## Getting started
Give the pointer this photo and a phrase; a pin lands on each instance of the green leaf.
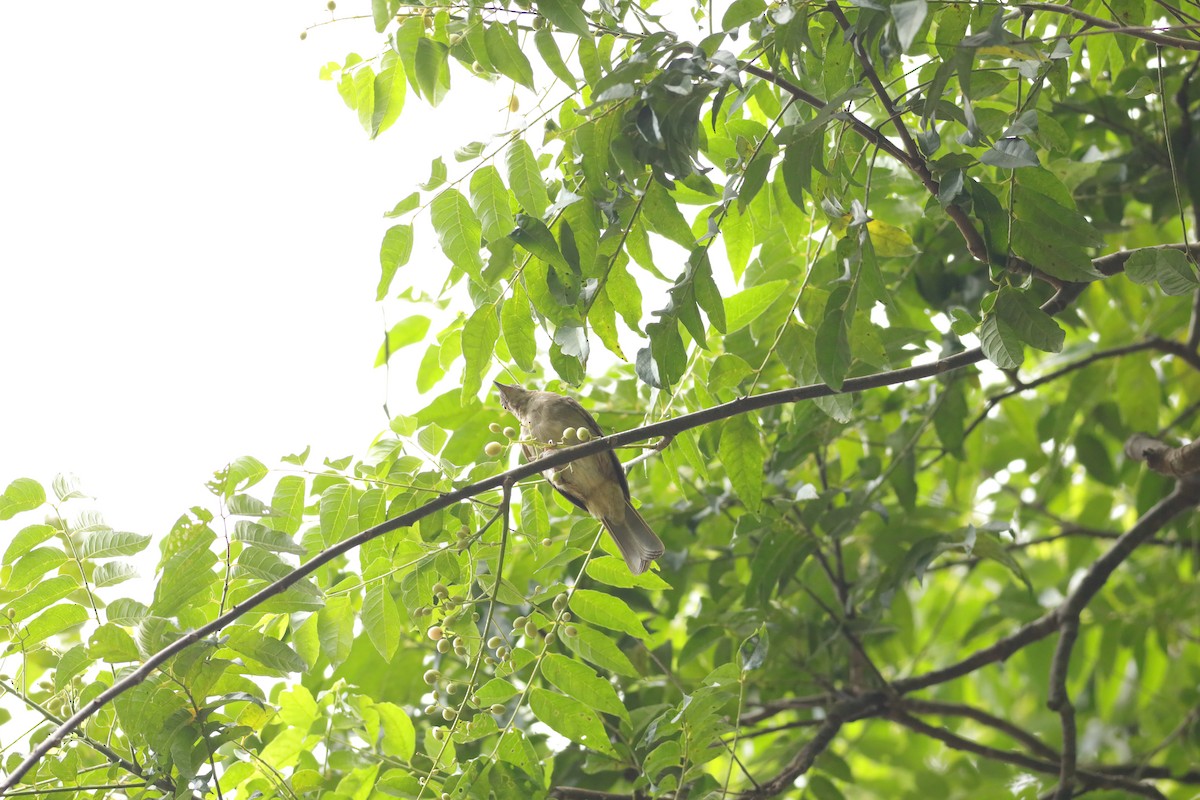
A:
(42, 595)
(287, 505)
(490, 200)
(1170, 268)
(597, 648)
(988, 545)
(742, 454)
(516, 319)
(185, 575)
(1001, 343)
(579, 681)
(380, 615)
(410, 330)
(572, 719)
(525, 178)
(26, 539)
(33, 566)
(833, 347)
(548, 49)
(1031, 325)
(607, 611)
(113, 644)
(108, 544)
(336, 504)
(663, 217)
(458, 229)
(566, 15)
(479, 336)
(269, 652)
(23, 494)
(603, 316)
(126, 612)
(533, 235)
(748, 305)
(506, 56)
(390, 89)
(1010, 154)
(393, 254)
(433, 69)
(614, 572)
(50, 622)
(908, 16)
(399, 735)
(740, 12)
(110, 573)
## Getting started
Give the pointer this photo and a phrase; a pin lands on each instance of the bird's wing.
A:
(531, 455)
(590, 423)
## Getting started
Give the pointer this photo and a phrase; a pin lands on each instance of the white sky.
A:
(189, 232)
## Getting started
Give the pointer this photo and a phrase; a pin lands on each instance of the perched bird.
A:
(595, 483)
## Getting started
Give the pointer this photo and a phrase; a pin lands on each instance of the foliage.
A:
(958, 586)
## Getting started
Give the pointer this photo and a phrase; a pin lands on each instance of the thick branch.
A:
(1160, 457)
(1113, 263)
(1010, 729)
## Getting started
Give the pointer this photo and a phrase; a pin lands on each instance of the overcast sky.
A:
(189, 232)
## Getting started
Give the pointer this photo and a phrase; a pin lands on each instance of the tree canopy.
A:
(892, 308)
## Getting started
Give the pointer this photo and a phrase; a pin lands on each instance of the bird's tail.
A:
(637, 543)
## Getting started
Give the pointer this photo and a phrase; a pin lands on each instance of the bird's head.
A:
(513, 398)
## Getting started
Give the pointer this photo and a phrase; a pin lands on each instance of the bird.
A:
(595, 483)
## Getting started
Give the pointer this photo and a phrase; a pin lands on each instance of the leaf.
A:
(597, 648)
(833, 347)
(336, 504)
(908, 16)
(479, 336)
(458, 229)
(506, 56)
(748, 305)
(525, 179)
(108, 544)
(393, 254)
(26, 539)
(607, 611)
(1010, 154)
(1033, 326)
(410, 330)
(516, 320)
(390, 88)
(533, 235)
(42, 595)
(269, 652)
(33, 566)
(1170, 268)
(490, 200)
(614, 572)
(433, 69)
(113, 644)
(888, 240)
(50, 622)
(727, 372)
(663, 217)
(740, 12)
(570, 718)
(287, 505)
(548, 49)
(742, 454)
(380, 614)
(566, 15)
(23, 494)
(579, 681)
(399, 735)
(185, 575)
(110, 573)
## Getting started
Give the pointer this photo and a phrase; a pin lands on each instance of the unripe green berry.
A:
(444, 646)
(331, 5)
(439, 734)
(449, 714)
(583, 434)
(547, 542)
(565, 616)
(493, 449)
(519, 622)
(431, 709)
(560, 602)
(494, 642)
(440, 590)
(531, 630)
(550, 637)
(539, 22)
(455, 38)
(431, 676)
(436, 632)
(570, 631)
(568, 435)
(491, 662)
(497, 708)
(510, 433)
(495, 426)
(303, 35)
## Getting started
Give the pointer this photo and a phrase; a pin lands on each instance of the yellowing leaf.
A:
(890, 241)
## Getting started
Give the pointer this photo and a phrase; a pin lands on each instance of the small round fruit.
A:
(431, 676)
(497, 708)
(495, 426)
(583, 434)
(331, 5)
(570, 631)
(431, 709)
(514, 105)
(547, 542)
(531, 630)
(494, 642)
(439, 734)
(303, 35)
(510, 433)
(568, 435)
(444, 646)
(493, 449)
(436, 632)
(449, 714)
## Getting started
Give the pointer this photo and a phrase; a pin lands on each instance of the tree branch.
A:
(1141, 33)
(1009, 729)
(1178, 462)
